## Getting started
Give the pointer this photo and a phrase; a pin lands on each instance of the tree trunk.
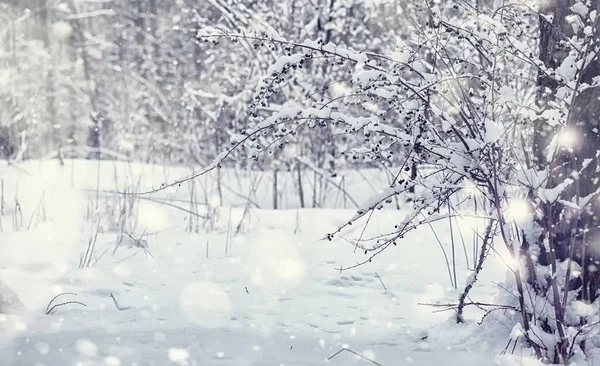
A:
(565, 144)
(49, 93)
(577, 158)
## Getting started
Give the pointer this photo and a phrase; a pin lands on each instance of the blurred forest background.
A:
(129, 80)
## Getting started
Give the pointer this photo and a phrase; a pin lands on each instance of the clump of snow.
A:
(580, 8)
(552, 194)
(569, 67)
(401, 56)
(582, 309)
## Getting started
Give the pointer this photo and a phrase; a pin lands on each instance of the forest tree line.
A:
(131, 80)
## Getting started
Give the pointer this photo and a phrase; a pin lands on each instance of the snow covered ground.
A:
(270, 295)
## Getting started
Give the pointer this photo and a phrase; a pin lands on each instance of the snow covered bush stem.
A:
(483, 253)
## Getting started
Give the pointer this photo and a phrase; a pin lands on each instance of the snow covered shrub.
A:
(502, 99)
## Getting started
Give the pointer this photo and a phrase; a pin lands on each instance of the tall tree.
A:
(567, 147)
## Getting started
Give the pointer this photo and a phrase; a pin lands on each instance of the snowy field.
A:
(177, 283)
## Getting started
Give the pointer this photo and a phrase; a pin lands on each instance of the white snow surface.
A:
(270, 295)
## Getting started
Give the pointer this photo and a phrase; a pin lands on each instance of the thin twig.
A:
(379, 278)
(120, 308)
(53, 309)
(57, 296)
(354, 353)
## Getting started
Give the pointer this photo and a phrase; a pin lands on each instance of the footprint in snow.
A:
(37, 267)
(345, 281)
(103, 292)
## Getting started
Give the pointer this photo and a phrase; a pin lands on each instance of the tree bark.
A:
(578, 160)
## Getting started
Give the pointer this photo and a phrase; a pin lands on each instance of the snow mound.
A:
(10, 303)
